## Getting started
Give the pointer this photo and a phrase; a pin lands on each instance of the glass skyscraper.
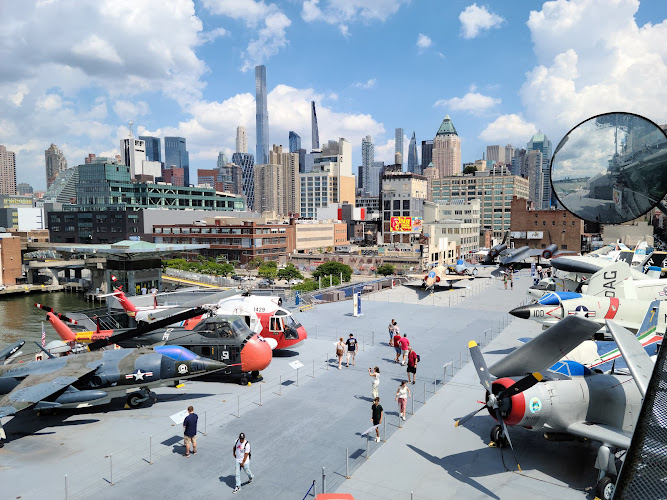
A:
(294, 142)
(540, 142)
(398, 142)
(413, 159)
(247, 163)
(262, 116)
(176, 153)
(315, 132)
(153, 149)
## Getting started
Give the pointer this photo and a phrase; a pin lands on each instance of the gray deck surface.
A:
(310, 426)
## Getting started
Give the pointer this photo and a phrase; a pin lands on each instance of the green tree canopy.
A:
(333, 268)
(308, 285)
(470, 169)
(267, 271)
(386, 269)
(289, 272)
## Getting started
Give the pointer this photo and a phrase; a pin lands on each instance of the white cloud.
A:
(475, 19)
(508, 128)
(269, 21)
(21, 91)
(472, 101)
(423, 41)
(128, 110)
(94, 47)
(366, 85)
(210, 36)
(593, 59)
(386, 152)
(343, 12)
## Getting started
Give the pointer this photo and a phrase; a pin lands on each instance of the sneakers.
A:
(339, 367)
(236, 490)
(377, 439)
(403, 417)
(250, 480)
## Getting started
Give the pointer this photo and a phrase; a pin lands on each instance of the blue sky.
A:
(501, 70)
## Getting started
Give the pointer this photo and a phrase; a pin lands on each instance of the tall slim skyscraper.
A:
(315, 144)
(495, 154)
(540, 142)
(261, 116)
(153, 148)
(447, 149)
(7, 171)
(241, 140)
(413, 159)
(176, 154)
(509, 154)
(367, 158)
(398, 141)
(427, 154)
(222, 160)
(247, 163)
(55, 163)
(294, 142)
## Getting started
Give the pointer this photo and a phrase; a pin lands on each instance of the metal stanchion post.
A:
(324, 481)
(460, 360)
(444, 375)
(367, 448)
(384, 420)
(413, 405)
(238, 406)
(280, 385)
(111, 467)
(326, 362)
(400, 425)
(150, 450)
(347, 464)
(65, 486)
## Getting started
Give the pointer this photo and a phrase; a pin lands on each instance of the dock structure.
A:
(304, 424)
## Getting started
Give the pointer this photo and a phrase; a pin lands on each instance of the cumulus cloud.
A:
(210, 36)
(476, 19)
(343, 12)
(366, 85)
(130, 110)
(512, 128)
(423, 41)
(593, 58)
(473, 102)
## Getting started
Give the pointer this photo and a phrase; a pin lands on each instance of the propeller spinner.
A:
(494, 401)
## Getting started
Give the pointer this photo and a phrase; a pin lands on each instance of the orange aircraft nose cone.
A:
(255, 355)
(302, 333)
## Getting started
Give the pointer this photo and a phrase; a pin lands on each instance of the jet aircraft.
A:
(573, 400)
(439, 276)
(92, 378)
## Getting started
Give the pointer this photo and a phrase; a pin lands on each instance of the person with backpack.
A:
(413, 359)
(242, 455)
(396, 342)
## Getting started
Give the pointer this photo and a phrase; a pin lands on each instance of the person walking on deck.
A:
(402, 395)
(242, 454)
(340, 351)
(376, 417)
(375, 373)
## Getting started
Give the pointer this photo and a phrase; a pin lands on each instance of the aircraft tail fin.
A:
(649, 326)
(126, 304)
(10, 351)
(64, 331)
(609, 282)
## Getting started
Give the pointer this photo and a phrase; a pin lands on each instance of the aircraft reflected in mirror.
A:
(611, 168)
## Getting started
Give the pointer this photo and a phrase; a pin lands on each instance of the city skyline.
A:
(79, 90)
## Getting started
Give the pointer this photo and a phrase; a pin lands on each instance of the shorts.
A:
(376, 422)
(404, 352)
(398, 350)
(352, 351)
(401, 404)
(412, 369)
(188, 440)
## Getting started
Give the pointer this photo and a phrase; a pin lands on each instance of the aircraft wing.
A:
(547, 348)
(599, 432)
(638, 361)
(200, 301)
(38, 386)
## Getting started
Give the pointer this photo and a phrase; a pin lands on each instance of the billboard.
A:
(535, 235)
(406, 224)
(518, 235)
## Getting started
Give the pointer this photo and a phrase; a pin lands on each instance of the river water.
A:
(21, 320)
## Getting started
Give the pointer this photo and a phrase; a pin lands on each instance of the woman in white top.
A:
(402, 395)
(340, 351)
(375, 373)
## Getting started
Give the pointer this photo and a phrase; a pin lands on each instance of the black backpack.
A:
(246, 443)
(419, 358)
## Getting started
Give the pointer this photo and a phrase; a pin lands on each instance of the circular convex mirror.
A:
(611, 168)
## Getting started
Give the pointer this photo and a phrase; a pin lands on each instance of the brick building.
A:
(541, 228)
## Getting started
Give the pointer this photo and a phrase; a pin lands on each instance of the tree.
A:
(334, 268)
(308, 285)
(289, 272)
(254, 263)
(470, 169)
(267, 271)
(386, 269)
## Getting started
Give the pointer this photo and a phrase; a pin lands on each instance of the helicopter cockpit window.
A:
(240, 328)
(290, 322)
(276, 324)
(223, 330)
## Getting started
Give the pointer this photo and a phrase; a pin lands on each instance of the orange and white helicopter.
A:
(263, 314)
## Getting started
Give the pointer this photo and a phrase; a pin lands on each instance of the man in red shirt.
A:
(412, 364)
(404, 343)
(397, 345)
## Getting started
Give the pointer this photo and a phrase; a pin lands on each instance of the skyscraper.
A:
(315, 144)
(7, 171)
(519, 162)
(533, 159)
(294, 142)
(495, 154)
(367, 158)
(247, 162)
(261, 116)
(176, 154)
(241, 140)
(447, 149)
(540, 142)
(509, 154)
(133, 153)
(153, 148)
(398, 141)
(55, 163)
(413, 159)
(427, 154)
(222, 160)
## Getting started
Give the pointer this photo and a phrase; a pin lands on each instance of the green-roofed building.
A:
(447, 149)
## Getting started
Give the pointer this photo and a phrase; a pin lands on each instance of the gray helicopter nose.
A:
(522, 312)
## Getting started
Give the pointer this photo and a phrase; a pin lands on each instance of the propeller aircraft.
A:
(574, 400)
(439, 276)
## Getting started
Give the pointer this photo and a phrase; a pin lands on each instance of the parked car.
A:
(266, 282)
(237, 277)
(294, 282)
